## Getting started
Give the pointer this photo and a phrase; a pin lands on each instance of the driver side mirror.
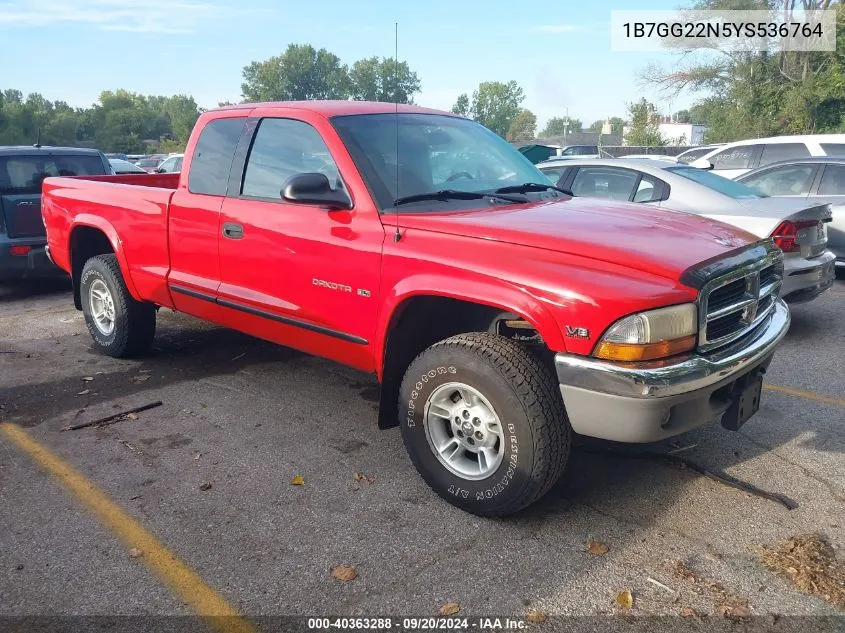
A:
(702, 163)
(314, 188)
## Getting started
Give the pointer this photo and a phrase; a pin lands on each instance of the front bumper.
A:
(805, 279)
(650, 402)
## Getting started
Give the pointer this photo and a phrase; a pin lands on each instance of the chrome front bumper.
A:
(648, 402)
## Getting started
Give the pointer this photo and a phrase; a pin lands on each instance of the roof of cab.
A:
(19, 150)
(337, 108)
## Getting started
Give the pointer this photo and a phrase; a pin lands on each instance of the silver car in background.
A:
(796, 225)
(818, 179)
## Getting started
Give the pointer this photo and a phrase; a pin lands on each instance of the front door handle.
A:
(233, 230)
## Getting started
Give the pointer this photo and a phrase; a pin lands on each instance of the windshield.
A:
(436, 152)
(713, 181)
(23, 174)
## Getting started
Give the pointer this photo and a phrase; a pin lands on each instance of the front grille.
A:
(727, 295)
(767, 275)
(724, 326)
(735, 303)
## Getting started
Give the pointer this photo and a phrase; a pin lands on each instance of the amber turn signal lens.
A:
(631, 352)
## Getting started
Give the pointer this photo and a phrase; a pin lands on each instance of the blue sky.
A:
(559, 52)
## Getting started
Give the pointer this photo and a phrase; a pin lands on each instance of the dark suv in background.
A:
(22, 235)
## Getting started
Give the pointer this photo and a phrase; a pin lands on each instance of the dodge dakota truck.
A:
(500, 314)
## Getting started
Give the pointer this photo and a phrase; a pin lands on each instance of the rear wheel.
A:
(484, 424)
(120, 325)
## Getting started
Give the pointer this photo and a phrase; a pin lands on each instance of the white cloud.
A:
(553, 29)
(138, 16)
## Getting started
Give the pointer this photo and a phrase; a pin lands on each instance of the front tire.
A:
(484, 423)
(120, 326)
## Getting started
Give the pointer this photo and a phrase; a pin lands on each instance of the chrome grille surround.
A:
(737, 311)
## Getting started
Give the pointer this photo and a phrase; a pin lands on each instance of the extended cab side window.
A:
(213, 156)
(283, 148)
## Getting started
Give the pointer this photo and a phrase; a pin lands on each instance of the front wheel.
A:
(120, 325)
(484, 424)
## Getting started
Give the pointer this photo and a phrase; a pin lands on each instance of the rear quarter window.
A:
(833, 181)
(738, 157)
(554, 174)
(213, 155)
(773, 152)
(694, 154)
(834, 149)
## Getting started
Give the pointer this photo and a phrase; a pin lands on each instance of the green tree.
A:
(523, 127)
(643, 129)
(373, 79)
(461, 105)
(746, 94)
(682, 116)
(169, 145)
(301, 72)
(62, 129)
(122, 120)
(560, 125)
(496, 104)
(119, 121)
(182, 113)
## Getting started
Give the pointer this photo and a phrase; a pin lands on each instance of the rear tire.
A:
(120, 326)
(484, 423)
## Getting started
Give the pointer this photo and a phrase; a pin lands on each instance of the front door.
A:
(298, 274)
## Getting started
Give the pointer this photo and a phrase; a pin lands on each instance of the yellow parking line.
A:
(184, 581)
(803, 393)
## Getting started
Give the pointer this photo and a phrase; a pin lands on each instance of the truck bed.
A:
(159, 181)
(132, 211)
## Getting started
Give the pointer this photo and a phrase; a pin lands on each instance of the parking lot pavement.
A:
(245, 417)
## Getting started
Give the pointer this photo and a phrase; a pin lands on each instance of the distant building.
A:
(682, 133)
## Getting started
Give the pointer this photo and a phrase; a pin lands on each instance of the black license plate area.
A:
(745, 401)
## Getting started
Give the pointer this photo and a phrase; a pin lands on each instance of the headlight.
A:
(649, 335)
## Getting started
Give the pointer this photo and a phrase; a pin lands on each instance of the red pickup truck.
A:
(500, 315)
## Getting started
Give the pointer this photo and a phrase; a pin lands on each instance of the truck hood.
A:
(657, 241)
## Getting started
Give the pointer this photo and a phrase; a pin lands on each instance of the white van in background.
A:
(734, 159)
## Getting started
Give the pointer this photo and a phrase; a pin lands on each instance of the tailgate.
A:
(22, 215)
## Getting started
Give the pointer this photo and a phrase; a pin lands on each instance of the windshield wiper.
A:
(531, 186)
(454, 194)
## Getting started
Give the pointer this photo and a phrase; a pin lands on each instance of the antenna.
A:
(396, 235)
(38, 139)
